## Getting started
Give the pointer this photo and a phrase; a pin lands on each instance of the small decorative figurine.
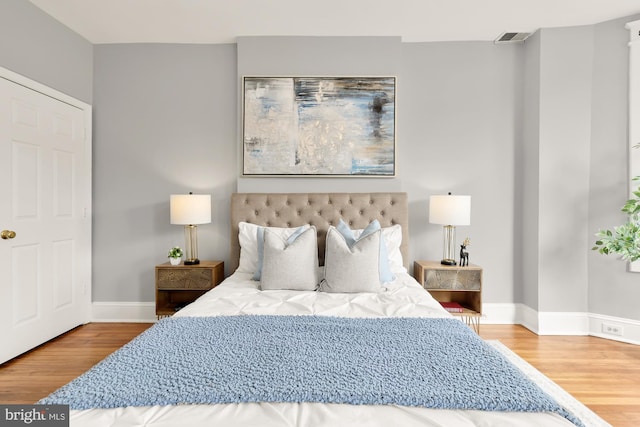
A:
(464, 255)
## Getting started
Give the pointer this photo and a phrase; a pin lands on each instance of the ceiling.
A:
(221, 21)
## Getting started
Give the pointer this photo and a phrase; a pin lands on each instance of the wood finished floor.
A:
(602, 374)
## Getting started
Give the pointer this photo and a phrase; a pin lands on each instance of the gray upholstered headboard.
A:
(320, 210)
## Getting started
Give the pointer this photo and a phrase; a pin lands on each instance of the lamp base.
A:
(443, 262)
(191, 261)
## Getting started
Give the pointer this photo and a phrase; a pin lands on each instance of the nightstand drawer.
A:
(468, 280)
(178, 278)
(180, 285)
(453, 284)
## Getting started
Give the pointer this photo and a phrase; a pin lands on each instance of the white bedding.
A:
(238, 294)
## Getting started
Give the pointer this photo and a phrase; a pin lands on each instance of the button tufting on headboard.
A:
(320, 210)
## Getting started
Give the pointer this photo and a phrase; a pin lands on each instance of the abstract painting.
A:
(319, 126)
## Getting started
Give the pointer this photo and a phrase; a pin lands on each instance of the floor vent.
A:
(512, 37)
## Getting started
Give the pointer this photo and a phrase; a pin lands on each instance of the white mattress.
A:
(240, 295)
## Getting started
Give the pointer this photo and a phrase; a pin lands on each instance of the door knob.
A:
(7, 234)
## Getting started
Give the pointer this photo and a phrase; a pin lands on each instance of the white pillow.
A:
(260, 239)
(392, 239)
(248, 238)
(386, 275)
(290, 265)
(351, 269)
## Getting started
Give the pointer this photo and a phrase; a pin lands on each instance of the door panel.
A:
(23, 114)
(25, 284)
(25, 194)
(45, 159)
(62, 274)
(62, 184)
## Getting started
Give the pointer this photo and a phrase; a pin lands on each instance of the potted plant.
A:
(175, 255)
(623, 240)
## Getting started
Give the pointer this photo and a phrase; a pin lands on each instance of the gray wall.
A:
(574, 169)
(166, 121)
(39, 47)
(527, 178)
(317, 56)
(566, 60)
(461, 128)
(165, 124)
(460, 106)
(535, 133)
(612, 289)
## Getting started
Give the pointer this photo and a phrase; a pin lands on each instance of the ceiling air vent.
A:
(512, 37)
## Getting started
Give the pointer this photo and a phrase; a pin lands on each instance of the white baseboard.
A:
(528, 318)
(558, 323)
(629, 329)
(131, 312)
(541, 323)
(510, 314)
(500, 314)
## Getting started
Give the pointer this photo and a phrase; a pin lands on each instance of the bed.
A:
(327, 356)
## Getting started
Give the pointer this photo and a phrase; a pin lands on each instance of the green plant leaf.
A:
(623, 240)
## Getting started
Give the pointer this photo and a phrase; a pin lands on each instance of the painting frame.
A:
(319, 126)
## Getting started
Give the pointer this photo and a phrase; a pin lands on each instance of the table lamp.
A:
(449, 211)
(190, 210)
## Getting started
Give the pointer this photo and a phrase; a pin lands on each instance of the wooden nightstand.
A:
(452, 283)
(179, 285)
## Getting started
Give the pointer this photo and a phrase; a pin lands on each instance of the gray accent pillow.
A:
(292, 265)
(351, 269)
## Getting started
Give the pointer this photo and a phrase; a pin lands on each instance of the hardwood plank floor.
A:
(602, 374)
(37, 373)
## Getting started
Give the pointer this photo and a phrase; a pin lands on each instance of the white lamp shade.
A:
(450, 210)
(190, 209)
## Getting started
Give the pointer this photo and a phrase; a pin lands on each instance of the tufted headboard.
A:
(320, 210)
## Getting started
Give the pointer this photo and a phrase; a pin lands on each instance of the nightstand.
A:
(452, 283)
(179, 285)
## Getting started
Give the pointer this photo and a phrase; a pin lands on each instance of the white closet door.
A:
(45, 185)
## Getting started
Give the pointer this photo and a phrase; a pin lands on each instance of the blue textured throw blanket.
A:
(433, 363)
